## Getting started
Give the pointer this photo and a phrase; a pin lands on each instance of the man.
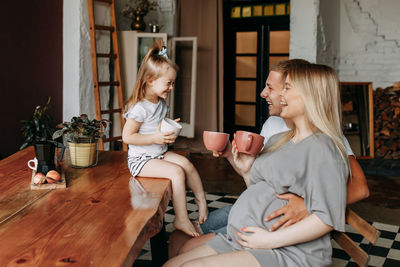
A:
(295, 209)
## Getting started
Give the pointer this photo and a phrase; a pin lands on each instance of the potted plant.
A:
(137, 11)
(39, 127)
(81, 134)
(37, 131)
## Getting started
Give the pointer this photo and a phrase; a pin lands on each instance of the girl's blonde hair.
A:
(319, 88)
(152, 67)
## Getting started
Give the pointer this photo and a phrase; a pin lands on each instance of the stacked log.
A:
(387, 122)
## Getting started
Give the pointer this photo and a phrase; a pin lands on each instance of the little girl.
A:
(148, 155)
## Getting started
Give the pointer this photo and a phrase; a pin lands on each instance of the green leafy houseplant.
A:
(82, 134)
(81, 129)
(39, 127)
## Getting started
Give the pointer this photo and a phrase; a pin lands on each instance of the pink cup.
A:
(215, 141)
(249, 143)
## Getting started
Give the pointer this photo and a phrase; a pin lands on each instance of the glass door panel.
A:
(245, 115)
(144, 45)
(246, 42)
(279, 42)
(246, 67)
(182, 95)
(275, 59)
(246, 78)
(246, 91)
(278, 46)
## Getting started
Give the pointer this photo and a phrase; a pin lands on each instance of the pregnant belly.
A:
(252, 207)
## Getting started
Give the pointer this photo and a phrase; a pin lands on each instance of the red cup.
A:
(215, 141)
(249, 143)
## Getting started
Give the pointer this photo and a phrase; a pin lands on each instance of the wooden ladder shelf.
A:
(112, 56)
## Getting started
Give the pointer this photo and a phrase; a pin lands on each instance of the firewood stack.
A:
(387, 122)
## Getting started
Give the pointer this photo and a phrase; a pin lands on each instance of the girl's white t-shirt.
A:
(150, 115)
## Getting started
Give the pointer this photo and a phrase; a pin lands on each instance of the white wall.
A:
(71, 44)
(359, 38)
(328, 34)
(370, 41)
(77, 68)
(303, 29)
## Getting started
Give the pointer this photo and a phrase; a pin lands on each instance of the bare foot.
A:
(186, 227)
(196, 225)
(203, 209)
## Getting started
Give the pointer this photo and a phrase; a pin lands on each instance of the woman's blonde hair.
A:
(319, 88)
(152, 67)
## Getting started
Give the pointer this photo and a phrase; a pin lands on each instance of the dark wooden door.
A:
(247, 57)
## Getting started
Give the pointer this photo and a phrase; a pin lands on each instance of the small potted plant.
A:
(82, 134)
(39, 127)
(37, 131)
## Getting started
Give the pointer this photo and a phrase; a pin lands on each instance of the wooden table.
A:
(91, 222)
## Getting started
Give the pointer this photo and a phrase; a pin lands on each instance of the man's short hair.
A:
(283, 66)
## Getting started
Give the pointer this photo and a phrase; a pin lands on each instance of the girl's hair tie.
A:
(163, 52)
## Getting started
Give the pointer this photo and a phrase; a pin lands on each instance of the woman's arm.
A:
(131, 136)
(306, 230)
(228, 153)
(242, 162)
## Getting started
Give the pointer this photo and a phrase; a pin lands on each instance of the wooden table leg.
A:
(159, 247)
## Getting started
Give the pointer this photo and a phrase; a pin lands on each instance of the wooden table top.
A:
(91, 222)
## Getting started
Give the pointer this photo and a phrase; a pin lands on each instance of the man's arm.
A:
(357, 188)
(295, 209)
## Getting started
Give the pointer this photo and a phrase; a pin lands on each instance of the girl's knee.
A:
(184, 162)
(188, 165)
(177, 173)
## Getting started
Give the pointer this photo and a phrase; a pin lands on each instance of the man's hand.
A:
(258, 238)
(293, 211)
(224, 154)
(163, 138)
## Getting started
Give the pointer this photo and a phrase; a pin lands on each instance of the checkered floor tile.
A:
(386, 252)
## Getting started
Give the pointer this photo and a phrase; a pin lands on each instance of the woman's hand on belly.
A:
(256, 238)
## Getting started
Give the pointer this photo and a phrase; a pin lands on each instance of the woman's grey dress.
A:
(312, 169)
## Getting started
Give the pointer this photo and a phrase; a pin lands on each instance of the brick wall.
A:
(360, 39)
(369, 48)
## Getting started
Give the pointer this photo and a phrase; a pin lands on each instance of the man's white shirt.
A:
(274, 125)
